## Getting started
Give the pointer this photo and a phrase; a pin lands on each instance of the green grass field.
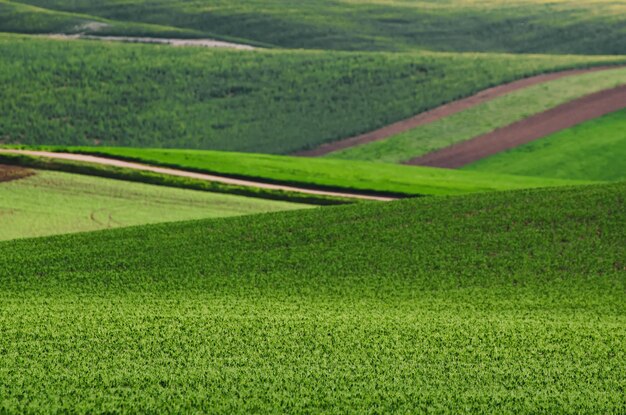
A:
(50, 203)
(484, 118)
(96, 93)
(495, 303)
(595, 150)
(23, 18)
(366, 177)
(520, 26)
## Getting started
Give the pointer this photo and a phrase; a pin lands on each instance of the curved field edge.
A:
(595, 150)
(26, 19)
(323, 174)
(259, 101)
(522, 26)
(50, 203)
(484, 118)
(132, 175)
(510, 300)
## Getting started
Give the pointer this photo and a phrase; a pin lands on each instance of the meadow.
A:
(594, 150)
(491, 303)
(99, 93)
(49, 203)
(518, 26)
(363, 177)
(484, 118)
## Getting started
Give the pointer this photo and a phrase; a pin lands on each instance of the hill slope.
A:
(89, 92)
(50, 203)
(520, 26)
(509, 300)
(486, 117)
(306, 173)
(595, 150)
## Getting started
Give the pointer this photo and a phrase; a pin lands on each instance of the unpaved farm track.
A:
(206, 43)
(443, 111)
(8, 173)
(530, 129)
(200, 176)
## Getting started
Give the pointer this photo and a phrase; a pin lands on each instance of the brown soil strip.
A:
(193, 175)
(527, 130)
(8, 173)
(443, 111)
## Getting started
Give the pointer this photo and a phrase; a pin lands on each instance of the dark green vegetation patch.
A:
(520, 26)
(509, 302)
(92, 93)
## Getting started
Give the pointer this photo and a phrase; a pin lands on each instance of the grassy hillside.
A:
(23, 18)
(49, 203)
(563, 26)
(595, 150)
(326, 173)
(89, 92)
(510, 300)
(484, 118)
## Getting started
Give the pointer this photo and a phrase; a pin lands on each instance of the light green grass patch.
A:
(519, 26)
(483, 118)
(53, 203)
(595, 150)
(328, 173)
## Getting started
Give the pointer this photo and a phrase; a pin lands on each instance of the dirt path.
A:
(199, 176)
(207, 43)
(530, 129)
(443, 111)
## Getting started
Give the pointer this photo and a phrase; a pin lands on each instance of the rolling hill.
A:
(50, 203)
(595, 150)
(101, 93)
(445, 305)
(484, 118)
(518, 26)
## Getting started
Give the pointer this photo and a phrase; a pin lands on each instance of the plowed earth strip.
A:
(530, 129)
(200, 176)
(443, 111)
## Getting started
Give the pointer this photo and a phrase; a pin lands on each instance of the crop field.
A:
(97, 93)
(595, 150)
(20, 18)
(224, 207)
(519, 26)
(48, 203)
(483, 118)
(440, 305)
(322, 173)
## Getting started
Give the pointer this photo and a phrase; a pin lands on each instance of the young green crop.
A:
(50, 203)
(595, 150)
(509, 302)
(484, 118)
(99, 93)
(520, 26)
(365, 177)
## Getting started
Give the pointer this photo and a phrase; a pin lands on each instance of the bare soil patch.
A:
(443, 111)
(530, 129)
(8, 173)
